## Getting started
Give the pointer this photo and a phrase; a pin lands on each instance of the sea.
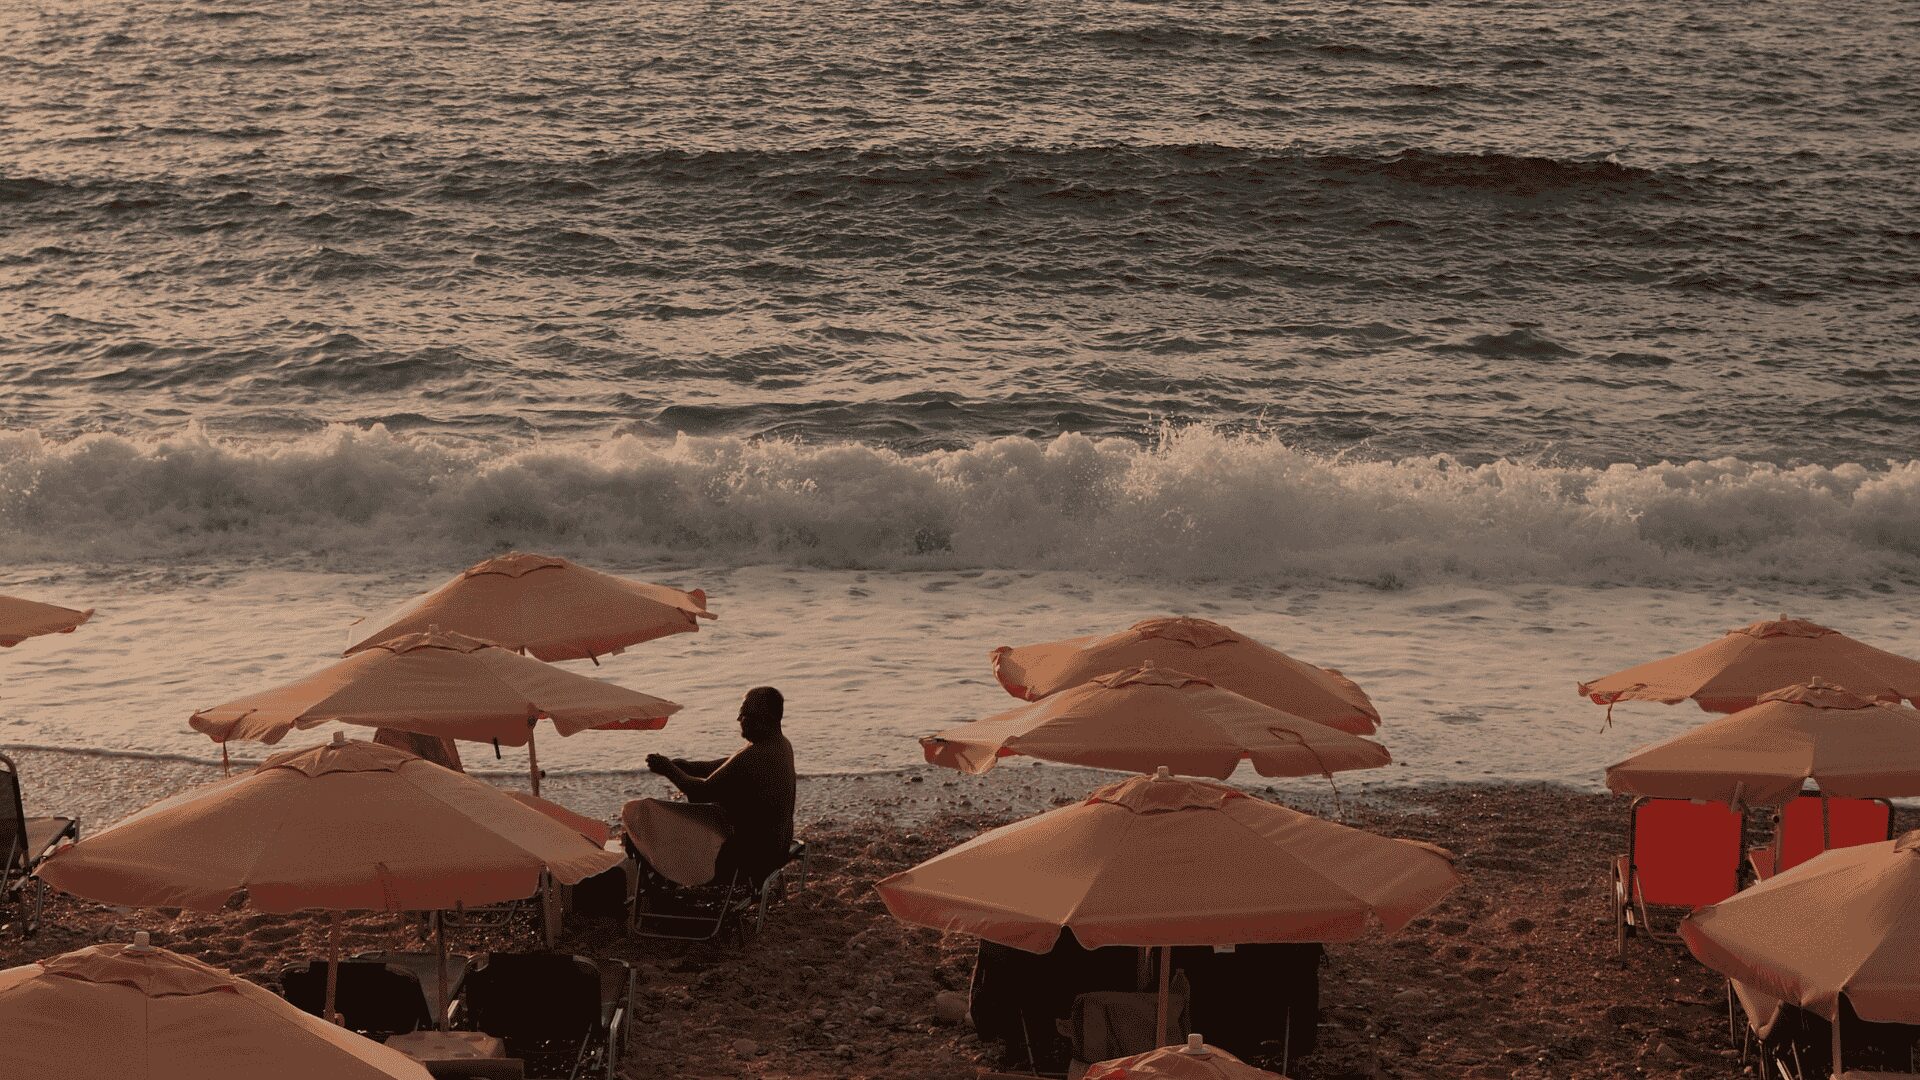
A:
(1470, 348)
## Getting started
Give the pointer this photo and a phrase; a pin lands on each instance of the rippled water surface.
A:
(1615, 231)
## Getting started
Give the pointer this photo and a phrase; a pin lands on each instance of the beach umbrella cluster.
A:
(345, 826)
(1806, 705)
(1166, 860)
(1170, 857)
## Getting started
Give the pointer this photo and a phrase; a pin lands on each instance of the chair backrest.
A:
(13, 823)
(535, 997)
(372, 998)
(1686, 854)
(1849, 822)
(1108, 1024)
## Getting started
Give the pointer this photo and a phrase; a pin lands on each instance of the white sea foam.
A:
(1194, 505)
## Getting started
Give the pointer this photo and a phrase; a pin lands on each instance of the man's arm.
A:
(698, 769)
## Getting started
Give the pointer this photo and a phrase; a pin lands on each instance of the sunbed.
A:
(28, 840)
(1794, 1044)
(682, 888)
(563, 1016)
(1813, 823)
(1681, 855)
(373, 998)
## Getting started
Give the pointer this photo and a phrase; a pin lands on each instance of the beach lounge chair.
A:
(1108, 1024)
(1791, 1043)
(373, 998)
(1813, 823)
(1244, 996)
(1023, 1000)
(425, 967)
(563, 1016)
(27, 841)
(1681, 855)
(663, 908)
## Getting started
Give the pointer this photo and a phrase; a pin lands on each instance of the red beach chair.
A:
(1800, 832)
(1680, 856)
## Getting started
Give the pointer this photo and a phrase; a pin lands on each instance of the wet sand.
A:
(1512, 976)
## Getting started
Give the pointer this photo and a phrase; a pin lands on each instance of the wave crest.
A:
(1195, 504)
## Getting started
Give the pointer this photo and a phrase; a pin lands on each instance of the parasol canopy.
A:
(547, 606)
(139, 1011)
(1214, 652)
(1734, 672)
(436, 683)
(21, 619)
(1844, 923)
(351, 826)
(1850, 745)
(1194, 1061)
(1166, 861)
(1141, 718)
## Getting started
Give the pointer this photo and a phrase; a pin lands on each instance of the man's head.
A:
(760, 713)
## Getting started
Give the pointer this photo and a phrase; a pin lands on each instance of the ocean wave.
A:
(1194, 504)
(1118, 172)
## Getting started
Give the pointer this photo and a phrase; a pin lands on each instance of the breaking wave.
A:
(1194, 504)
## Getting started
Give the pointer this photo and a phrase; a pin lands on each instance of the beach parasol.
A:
(138, 1011)
(546, 606)
(1194, 1061)
(1845, 923)
(1850, 745)
(1732, 673)
(1162, 861)
(1144, 717)
(22, 619)
(1207, 649)
(351, 826)
(438, 683)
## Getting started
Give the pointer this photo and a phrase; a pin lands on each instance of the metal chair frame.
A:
(17, 871)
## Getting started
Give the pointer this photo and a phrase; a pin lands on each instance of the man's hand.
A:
(659, 763)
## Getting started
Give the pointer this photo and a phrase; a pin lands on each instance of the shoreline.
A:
(72, 783)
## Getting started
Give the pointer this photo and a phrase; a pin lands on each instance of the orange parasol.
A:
(1842, 924)
(22, 619)
(547, 606)
(1852, 746)
(1194, 1061)
(1199, 647)
(138, 1011)
(1732, 673)
(1162, 861)
(438, 683)
(1144, 717)
(351, 826)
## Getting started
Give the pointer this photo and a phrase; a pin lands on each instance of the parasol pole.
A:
(333, 964)
(440, 946)
(533, 760)
(1836, 1037)
(1166, 973)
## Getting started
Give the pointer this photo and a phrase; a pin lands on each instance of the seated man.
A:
(754, 788)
